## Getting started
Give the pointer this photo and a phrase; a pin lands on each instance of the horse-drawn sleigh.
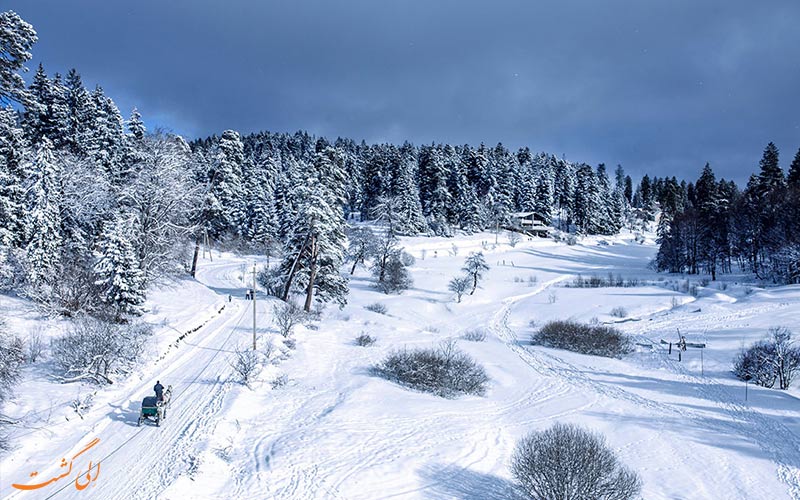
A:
(155, 409)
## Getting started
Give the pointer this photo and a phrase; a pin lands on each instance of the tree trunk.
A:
(355, 263)
(312, 275)
(194, 259)
(293, 270)
(474, 284)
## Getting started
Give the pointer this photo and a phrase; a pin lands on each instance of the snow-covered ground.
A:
(336, 431)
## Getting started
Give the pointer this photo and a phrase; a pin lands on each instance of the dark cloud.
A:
(660, 87)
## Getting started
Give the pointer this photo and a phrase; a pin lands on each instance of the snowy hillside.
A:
(334, 430)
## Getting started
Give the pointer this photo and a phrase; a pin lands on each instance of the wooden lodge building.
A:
(530, 223)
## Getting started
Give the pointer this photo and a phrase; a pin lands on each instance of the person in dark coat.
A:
(159, 390)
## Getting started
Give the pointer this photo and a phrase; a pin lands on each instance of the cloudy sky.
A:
(659, 87)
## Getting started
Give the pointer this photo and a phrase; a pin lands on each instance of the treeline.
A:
(712, 227)
(436, 189)
(93, 208)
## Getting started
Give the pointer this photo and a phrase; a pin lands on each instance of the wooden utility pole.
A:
(254, 306)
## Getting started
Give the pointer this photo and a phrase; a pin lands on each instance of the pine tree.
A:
(629, 189)
(314, 248)
(434, 195)
(136, 126)
(771, 175)
(16, 39)
(409, 220)
(117, 272)
(587, 201)
(81, 114)
(43, 219)
(465, 211)
(225, 201)
(12, 177)
(793, 179)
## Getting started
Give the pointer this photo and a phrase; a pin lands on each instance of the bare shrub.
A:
(81, 404)
(365, 340)
(475, 335)
(514, 238)
(280, 381)
(245, 363)
(96, 350)
(376, 307)
(444, 371)
(774, 359)
(552, 297)
(12, 356)
(35, 346)
(286, 317)
(675, 303)
(268, 349)
(619, 312)
(596, 340)
(459, 285)
(566, 461)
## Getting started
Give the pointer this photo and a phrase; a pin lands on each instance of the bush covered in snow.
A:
(566, 461)
(96, 350)
(774, 359)
(444, 371)
(597, 340)
(396, 277)
(619, 312)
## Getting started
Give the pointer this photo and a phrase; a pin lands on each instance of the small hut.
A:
(530, 223)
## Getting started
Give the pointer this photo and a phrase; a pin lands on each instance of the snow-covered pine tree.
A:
(36, 119)
(16, 39)
(605, 223)
(793, 179)
(43, 217)
(525, 181)
(434, 195)
(770, 177)
(12, 177)
(225, 204)
(465, 210)
(81, 117)
(587, 201)
(136, 125)
(117, 272)
(375, 182)
(314, 247)
(408, 218)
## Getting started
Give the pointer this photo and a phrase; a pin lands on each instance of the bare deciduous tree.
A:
(286, 317)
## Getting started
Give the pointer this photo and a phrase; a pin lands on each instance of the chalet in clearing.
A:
(530, 223)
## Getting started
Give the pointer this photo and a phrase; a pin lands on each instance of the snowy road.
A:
(139, 462)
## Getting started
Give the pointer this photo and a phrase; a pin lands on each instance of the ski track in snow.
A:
(285, 462)
(769, 434)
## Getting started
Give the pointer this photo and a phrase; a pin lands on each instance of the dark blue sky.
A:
(660, 87)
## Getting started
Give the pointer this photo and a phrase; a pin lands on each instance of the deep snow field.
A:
(334, 430)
